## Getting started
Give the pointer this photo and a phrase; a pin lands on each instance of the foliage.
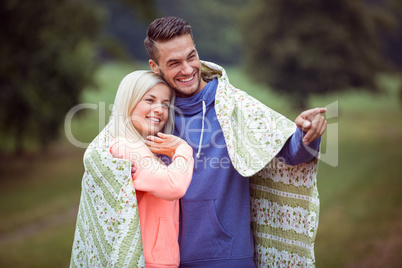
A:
(47, 58)
(312, 47)
(214, 24)
(144, 9)
(388, 15)
(124, 28)
(396, 6)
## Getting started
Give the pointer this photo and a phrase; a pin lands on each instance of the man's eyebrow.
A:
(192, 52)
(189, 54)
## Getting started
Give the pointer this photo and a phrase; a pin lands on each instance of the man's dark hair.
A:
(162, 30)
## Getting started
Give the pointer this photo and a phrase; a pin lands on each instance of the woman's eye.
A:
(149, 100)
(165, 105)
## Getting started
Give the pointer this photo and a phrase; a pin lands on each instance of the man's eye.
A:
(193, 57)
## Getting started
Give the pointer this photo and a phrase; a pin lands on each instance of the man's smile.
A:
(186, 80)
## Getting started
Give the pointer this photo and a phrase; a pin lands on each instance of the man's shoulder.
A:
(210, 71)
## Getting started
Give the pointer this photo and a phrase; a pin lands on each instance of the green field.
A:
(361, 204)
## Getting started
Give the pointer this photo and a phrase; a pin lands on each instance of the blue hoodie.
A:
(215, 211)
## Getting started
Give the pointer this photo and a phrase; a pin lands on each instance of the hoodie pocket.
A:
(166, 249)
(202, 235)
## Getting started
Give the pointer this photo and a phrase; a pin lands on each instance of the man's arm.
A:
(303, 145)
(295, 152)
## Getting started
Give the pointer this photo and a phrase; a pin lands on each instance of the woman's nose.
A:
(158, 108)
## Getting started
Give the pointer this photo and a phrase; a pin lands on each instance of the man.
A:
(234, 141)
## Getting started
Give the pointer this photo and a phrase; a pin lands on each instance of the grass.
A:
(46, 248)
(36, 193)
(361, 209)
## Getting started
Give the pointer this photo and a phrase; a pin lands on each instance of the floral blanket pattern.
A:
(107, 232)
(284, 199)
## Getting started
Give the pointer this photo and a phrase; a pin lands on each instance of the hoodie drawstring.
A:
(202, 128)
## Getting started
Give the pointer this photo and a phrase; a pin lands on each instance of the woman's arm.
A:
(167, 182)
(164, 143)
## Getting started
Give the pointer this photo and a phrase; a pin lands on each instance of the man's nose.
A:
(187, 69)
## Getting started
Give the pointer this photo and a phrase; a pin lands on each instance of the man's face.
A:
(179, 65)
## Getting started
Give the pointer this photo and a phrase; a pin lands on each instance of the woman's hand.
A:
(165, 144)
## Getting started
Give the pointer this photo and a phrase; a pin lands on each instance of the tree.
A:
(124, 28)
(47, 59)
(397, 6)
(214, 24)
(312, 47)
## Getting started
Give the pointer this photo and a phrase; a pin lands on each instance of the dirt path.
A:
(38, 226)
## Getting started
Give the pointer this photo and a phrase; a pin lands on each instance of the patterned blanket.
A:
(108, 230)
(284, 199)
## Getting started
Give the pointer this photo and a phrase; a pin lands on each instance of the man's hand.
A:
(164, 144)
(133, 168)
(312, 123)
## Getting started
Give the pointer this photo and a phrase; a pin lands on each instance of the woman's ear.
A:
(154, 66)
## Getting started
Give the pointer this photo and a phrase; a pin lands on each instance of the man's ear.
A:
(154, 66)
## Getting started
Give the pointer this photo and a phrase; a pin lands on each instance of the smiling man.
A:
(267, 180)
(177, 62)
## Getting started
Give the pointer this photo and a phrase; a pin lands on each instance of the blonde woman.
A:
(142, 109)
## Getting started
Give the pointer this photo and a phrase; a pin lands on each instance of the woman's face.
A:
(150, 114)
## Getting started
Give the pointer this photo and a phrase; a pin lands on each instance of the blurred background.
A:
(62, 61)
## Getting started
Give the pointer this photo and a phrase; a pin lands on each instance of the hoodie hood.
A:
(198, 104)
(193, 105)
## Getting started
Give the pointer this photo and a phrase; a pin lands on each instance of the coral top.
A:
(158, 188)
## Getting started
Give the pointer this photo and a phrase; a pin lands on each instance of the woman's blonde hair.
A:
(131, 90)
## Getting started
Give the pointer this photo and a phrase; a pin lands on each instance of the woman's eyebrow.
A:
(154, 97)
(149, 95)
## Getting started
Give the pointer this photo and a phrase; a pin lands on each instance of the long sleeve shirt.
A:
(295, 152)
(158, 188)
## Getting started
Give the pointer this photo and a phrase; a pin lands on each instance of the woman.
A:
(142, 109)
